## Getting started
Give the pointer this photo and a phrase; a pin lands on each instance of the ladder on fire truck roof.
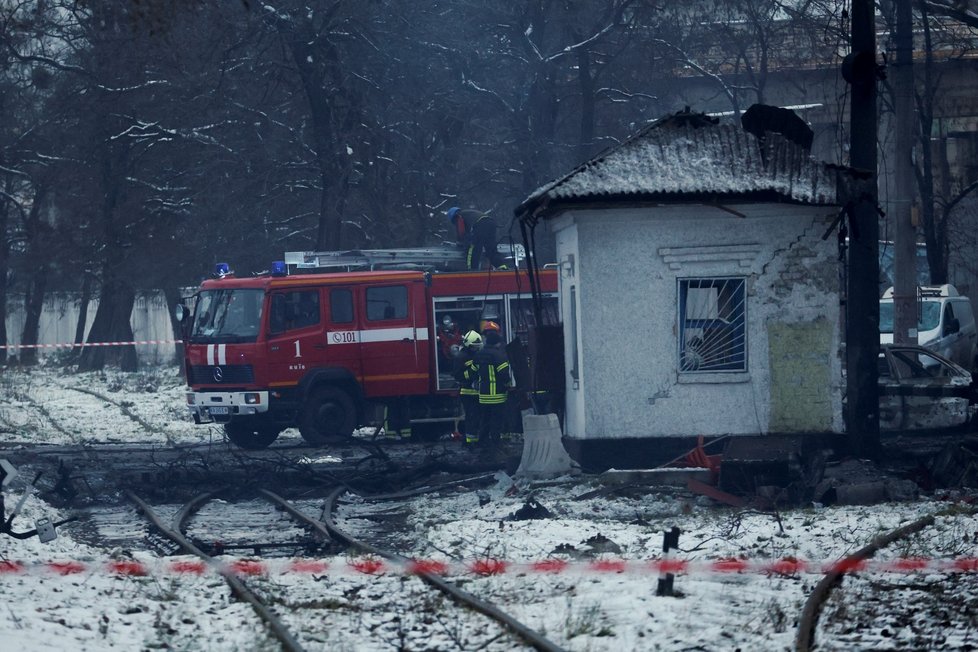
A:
(442, 258)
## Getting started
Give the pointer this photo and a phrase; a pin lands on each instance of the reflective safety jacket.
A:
(463, 369)
(492, 367)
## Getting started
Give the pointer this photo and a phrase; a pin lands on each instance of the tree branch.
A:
(965, 11)
(967, 190)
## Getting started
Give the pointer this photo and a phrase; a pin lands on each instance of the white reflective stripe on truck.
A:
(220, 350)
(374, 335)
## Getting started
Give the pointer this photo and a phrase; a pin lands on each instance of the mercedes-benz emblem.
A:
(218, 374)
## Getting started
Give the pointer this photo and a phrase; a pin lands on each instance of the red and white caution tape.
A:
(86, 344)
(486, 567)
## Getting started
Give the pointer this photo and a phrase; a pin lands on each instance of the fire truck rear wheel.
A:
(329, 415)
(249, 436)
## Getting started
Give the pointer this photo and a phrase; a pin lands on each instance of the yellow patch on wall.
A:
(800, 358)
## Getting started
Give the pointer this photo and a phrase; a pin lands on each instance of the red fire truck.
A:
(327, 352)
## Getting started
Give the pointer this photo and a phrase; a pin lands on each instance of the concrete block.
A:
(677, 477)
(544, 455)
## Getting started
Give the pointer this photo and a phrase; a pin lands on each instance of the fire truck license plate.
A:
(219, 410)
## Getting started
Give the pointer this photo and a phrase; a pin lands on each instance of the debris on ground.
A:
(955, 467)
(752, 462)
(600, 544)
(504, 485)
(530, 510)
(861, 482)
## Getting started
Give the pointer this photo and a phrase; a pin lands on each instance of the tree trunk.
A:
(86, 297)
(905, 235)
(935, 231)
(4, 270)
(117, 297)
(111, 324)
(313, 71)
(37, 234)
(33, 307)
(586, 81)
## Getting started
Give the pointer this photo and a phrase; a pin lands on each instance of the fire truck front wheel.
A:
(328, 415)
(250, 436)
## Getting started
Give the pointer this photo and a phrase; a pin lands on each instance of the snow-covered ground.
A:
(578, 610)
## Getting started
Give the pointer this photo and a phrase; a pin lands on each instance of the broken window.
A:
(712, 325)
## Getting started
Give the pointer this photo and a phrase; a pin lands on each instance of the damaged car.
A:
(921, 390)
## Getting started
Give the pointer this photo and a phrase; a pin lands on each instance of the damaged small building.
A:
(700, 284)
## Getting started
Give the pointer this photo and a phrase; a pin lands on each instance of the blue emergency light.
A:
(279, 268)
(221, 270)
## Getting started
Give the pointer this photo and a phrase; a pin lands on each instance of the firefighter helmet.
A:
(490, 325)
(452, 212)
(472, 340)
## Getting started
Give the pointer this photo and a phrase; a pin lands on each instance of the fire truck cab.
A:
(325, 352)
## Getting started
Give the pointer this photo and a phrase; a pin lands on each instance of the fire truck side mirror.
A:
(182, 313)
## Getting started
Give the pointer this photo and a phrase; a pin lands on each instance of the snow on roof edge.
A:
(687, 155)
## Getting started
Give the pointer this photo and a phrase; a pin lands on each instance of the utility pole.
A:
(905, 236)
(862, 296)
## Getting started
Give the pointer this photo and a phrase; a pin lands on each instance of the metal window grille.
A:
(712, 325)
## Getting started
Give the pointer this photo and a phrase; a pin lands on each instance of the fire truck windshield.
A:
(231, 315)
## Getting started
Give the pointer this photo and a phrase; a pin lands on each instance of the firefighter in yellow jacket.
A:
(492, 367)
(464, 372)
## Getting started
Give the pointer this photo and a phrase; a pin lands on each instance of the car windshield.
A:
(231, 315)
(930, 316)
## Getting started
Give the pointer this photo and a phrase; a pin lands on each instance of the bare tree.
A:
(179, 134)
(24, 89)
(739, 46)
(945, 50)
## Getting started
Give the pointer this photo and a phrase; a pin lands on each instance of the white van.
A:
(946, 325)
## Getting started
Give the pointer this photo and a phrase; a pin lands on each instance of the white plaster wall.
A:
(569, 261)
(627, 304)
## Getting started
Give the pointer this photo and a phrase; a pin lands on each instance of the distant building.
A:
(700, 285)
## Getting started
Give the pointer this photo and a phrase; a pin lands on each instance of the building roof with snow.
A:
(690, 158)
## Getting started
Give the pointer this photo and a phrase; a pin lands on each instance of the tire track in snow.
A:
(128, 412)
